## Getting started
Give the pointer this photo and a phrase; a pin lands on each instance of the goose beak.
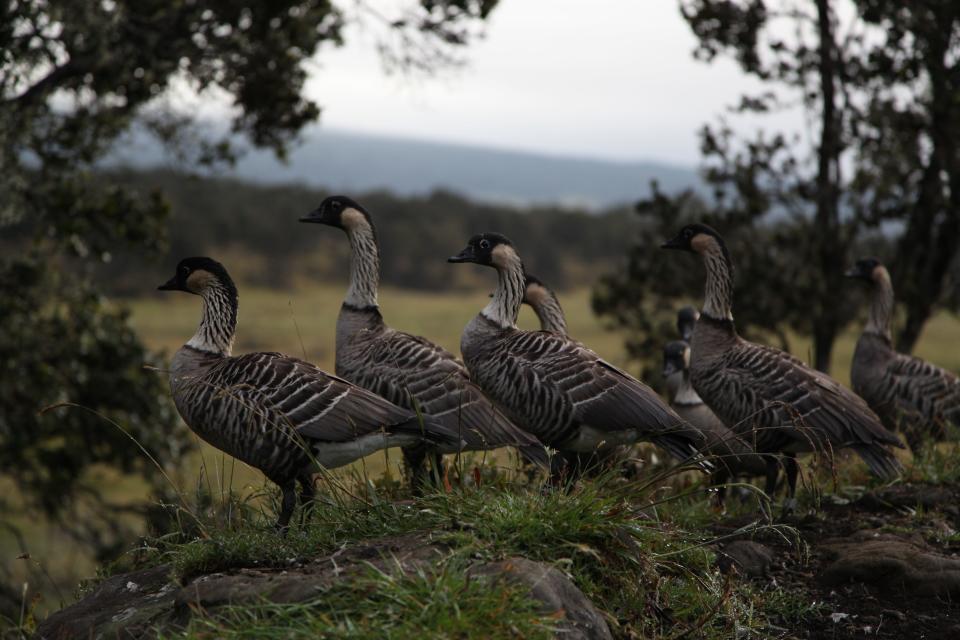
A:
(675, 243)
(169, 285)
(669, 369)
(317, 216)
(467, 255)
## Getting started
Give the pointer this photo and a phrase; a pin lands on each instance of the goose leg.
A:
(766, 501)
(791, 470)
(719, 481)
(287, 504)
(416, 461)
(307, 494)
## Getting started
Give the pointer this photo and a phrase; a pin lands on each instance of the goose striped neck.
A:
(544, 303)
(364, 261)
(881, 307)
(218, 323)
(718, 297)
(504, 308)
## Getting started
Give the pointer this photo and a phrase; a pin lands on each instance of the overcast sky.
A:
(601, 78)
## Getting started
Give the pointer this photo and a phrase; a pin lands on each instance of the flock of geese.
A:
(736, 408)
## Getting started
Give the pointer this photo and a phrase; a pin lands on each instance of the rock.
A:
(750, 558)
(409, 553)
(908, 496)
(577, 617)
(126, 606)
(892, 564)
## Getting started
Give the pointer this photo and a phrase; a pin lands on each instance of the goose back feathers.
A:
(553, 385)
(771, 399)
(276, 413)
(408, 370)
(906, 392)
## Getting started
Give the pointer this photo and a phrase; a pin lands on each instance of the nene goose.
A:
(686, 319)
(276, 413)
(768, 397)
(408, 370)
(734, 456)
(555, 387)
(919, 397)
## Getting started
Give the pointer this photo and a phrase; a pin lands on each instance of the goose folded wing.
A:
(600, 394)
(422, 374)
(324, 407)
(795, 396)
(925, 388)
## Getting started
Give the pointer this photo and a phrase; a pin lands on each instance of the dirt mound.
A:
(893, 564)
(144, 603)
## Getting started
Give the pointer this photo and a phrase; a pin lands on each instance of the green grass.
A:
(442, 603)
(651, 577)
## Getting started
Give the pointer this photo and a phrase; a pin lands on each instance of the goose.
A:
(686, 320)
(768, 397)
(408, 370)
(554, 386)
(908, 392)
(278, 414)
(734, 457)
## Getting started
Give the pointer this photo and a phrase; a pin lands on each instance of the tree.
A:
(73, 78)
(909, 146)
(875, 92)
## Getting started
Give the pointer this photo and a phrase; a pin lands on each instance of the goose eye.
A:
(484, 244)
(687, 233)
(184, 269)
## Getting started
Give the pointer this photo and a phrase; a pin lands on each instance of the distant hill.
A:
(351, 162)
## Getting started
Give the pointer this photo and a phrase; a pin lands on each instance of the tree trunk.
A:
(828, 246)
(929, 244)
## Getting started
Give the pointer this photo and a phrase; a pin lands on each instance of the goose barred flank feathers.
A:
(554, 386)
(766, 396)
(408, 370)
(908, 393)
(276, 413)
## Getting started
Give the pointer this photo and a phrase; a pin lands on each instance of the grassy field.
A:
(301, 322)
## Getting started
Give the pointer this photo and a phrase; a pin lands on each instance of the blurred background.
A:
(809, 132)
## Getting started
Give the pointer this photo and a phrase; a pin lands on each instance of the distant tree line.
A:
(255, 227)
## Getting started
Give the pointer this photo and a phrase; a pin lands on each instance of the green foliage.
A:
(73, 351)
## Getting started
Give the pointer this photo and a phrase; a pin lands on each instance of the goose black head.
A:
(864, 269)
(686, 318)
(693, 238)
(196, 274)
(489, 249)
(339, 211)
(676, 357)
